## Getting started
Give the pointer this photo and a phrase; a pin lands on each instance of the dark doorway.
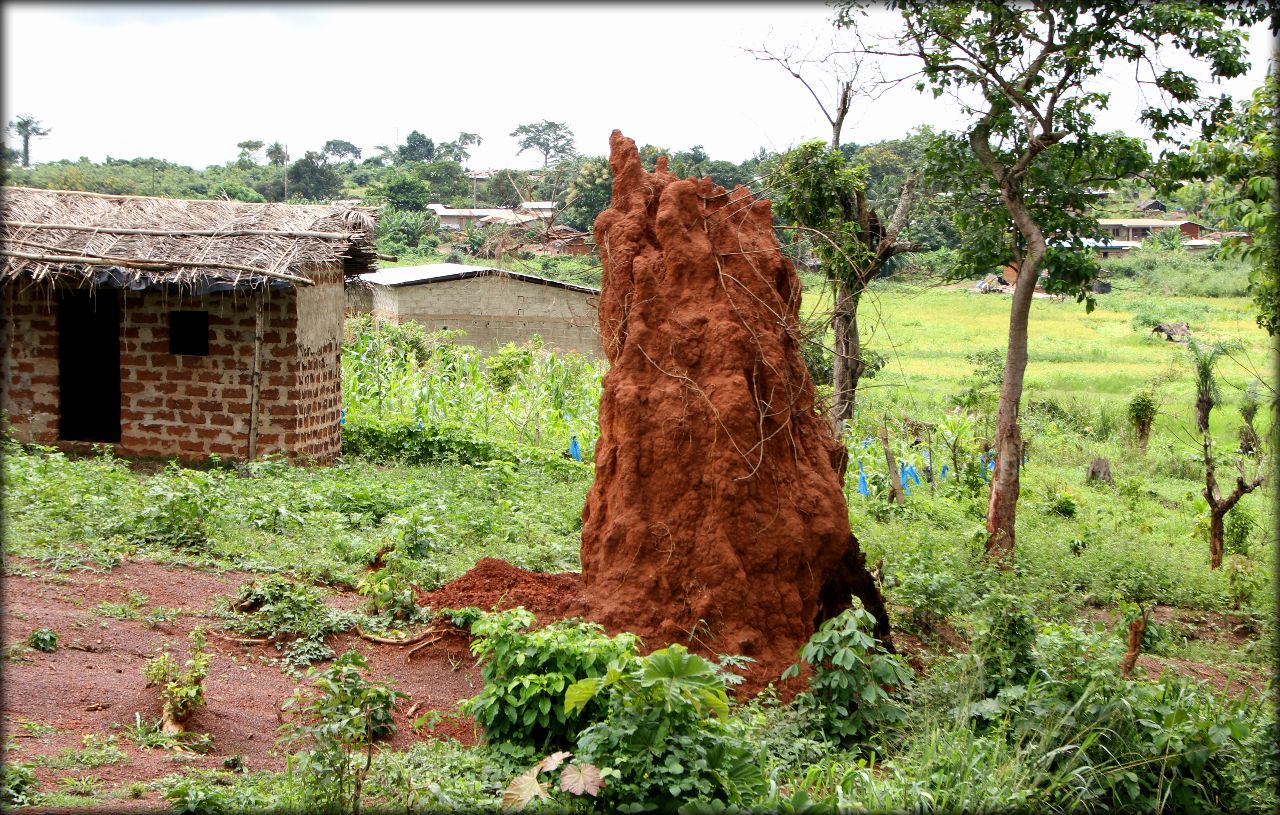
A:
(89, 365)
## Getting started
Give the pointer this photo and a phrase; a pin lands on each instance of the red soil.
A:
(495, 584)
(93, 681)
(716, 517)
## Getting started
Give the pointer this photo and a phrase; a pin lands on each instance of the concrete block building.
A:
(493, 306)
(176, 329)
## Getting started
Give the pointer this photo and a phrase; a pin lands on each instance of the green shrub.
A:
(1004, 642)
(338, 719)
(414, 443)
(295, 616)
(665, 740)
(43, 639)
(19, 785)
(526, 674)
(177, 507)
(181, 689)
(854, 678)
(1142, 410)
(1238, 524)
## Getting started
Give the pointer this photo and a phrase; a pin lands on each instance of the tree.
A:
(277, 153)
(1240, 164)
(402, 190)
(416, 147)
(28, 128)
(447, 180)
(337, 148)
(507, 188)
(1203, 360)
(817, 191)
(589, 193)
(456, 150)
(820, 193)
(312, 178)
(247, 149)
(1020, 72)
(554, 140)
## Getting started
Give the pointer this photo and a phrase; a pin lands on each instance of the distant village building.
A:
(176, 329)
(1152, 205)
(1138, 229)
(493, 306)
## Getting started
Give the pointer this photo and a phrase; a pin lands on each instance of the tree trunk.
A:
(847, 363)
(1144, 435)
(896, 495)
(1216, 518)
(1005, 484)
(1136, 629)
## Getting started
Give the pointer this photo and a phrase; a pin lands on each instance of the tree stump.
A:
(1099, 470)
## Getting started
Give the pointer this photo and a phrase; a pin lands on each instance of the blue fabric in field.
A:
(575, 450)
(911, 471)
(943, 475)
(991, 465)
(863, 489)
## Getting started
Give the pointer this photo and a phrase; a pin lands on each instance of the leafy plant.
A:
(18, 785)
(177, 509)
(574, 779)
(86, 786)
(526, 674)
(854, 678)
(293, 614)
(1142, 411)
(95, 752)
(150, 735)
(43, 639)
(666, 733)
(1004, 642)
(181, 689)
(339, 718)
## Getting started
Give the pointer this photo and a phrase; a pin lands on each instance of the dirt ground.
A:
(93, 683)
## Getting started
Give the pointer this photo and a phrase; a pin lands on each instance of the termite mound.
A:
(717, 516)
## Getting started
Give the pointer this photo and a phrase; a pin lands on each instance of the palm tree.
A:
(27, 127)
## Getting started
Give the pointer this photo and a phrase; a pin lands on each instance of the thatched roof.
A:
(49, 235)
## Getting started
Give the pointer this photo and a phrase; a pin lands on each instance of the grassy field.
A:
(1097, 360)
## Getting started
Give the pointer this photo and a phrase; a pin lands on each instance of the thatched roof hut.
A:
(174, 328)
(148, 242)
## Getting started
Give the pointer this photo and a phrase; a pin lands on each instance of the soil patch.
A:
(93, 685)
(495, 584)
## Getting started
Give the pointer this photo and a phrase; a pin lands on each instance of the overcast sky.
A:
(186, 82)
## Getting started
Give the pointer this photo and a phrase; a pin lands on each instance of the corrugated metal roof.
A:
(440, 272)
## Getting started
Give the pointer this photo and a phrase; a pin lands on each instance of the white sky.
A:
(186, 82)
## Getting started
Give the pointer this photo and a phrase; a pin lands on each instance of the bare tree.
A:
(832, 79)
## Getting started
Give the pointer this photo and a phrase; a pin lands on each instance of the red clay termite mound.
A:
(717, 516)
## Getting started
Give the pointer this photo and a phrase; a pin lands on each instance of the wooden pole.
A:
(255, 386)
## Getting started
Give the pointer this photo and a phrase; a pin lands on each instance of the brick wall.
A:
(493, 310)
(189, 406)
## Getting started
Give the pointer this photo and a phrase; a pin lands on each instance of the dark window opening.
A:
(189, 333)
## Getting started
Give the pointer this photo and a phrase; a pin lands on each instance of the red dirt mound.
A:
(716, 517)
(494, 583)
